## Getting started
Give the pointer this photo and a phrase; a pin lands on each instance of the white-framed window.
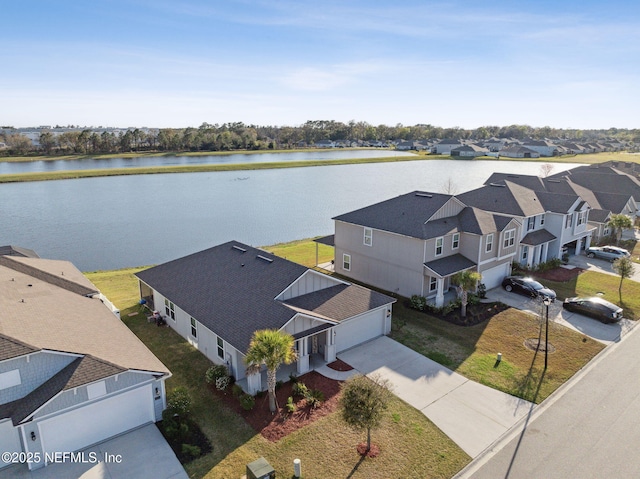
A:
(439, 243)
(169, 309)
(455, 241)
(525, 251)
(568, 221)
(606, 231)
(433, 284)
(220, 344)
(509, 238)
(582, 216)
(10, 379)
(542, 219)
(194, 328)
(531, 223)
(346, 262)
(368, 237)
(489, 246)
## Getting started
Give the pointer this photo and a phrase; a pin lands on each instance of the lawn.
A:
(591, 283)
(411, 446)
(471, 351)
(302, 252)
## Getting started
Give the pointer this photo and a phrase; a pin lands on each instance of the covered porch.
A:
(438, 275)
(326, 241)
(535, 248)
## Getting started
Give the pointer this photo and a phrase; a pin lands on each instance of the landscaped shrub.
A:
(222, 383)
(190, 450)
(293, 378)
(214, 372)
(176, 431)
(290, 406)
(299, 389)
(179, 402)
(314, 398)
(482, 291)
(418, 302)
(236, 390)
(247, 401)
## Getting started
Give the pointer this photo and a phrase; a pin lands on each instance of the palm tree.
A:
(619, 223)
(467, 280)
(271, 348)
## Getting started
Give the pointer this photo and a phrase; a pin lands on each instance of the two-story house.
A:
(415, 243)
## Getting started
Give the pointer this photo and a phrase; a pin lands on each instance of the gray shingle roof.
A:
(10, 250)
(450, 265)
(405, 214)
(12, 348)
(598, 179)
(228, 288)
(537, 237)
(510, 198)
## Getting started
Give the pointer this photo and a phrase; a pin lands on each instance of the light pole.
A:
(547, 302)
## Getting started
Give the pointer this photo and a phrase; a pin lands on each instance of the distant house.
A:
(469, 151)
(543, 147)
(415, 243)
(217, 299)
(518, 151)
(444, 146)
(324, 144)
(71, 373)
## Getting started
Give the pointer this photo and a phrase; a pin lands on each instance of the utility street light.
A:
(547, 302)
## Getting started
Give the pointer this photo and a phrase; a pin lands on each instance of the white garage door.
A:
(358, 330)
(98, 421)
(9, 440)
(494, 276)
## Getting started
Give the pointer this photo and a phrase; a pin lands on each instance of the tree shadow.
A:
(355, 468)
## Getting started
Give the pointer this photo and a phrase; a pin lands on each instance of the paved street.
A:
(586, 429)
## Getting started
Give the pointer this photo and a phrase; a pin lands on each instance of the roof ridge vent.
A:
(239, 248)
(424, 195)
(264, 258)
(497, 185)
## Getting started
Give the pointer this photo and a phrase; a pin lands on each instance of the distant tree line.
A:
(238, 136)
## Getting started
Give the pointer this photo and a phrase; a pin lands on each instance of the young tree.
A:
(271, 348)
(546, 169)
(363, 401)
(467, 281)
(625, 269)
(619, 223)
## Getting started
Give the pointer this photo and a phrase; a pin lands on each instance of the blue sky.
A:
(162, 63)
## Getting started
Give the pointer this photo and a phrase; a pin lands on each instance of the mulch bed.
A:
(558, 274)
(276, 426)
(476, 314)
(195, 437)
(340, 365)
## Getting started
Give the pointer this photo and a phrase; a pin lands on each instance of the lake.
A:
(115, 222)
(148, 161)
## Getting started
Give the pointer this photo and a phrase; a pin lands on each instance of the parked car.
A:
(610, 253)
(528, 287)
(595, 307)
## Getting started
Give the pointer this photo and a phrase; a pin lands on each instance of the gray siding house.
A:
(217, 299)
(71, 373)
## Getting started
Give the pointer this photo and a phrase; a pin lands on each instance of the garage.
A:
(492, 277)
(359, 329)
(9, 440)
(98, 421)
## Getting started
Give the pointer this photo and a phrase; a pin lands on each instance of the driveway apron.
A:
(472, 415)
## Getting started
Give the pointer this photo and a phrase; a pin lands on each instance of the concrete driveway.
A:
(142, 454)
(605, 333)
(472, 415)
(600, 265)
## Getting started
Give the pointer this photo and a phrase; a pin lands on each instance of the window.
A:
(489, 246)
(194, 328)
(531, 223)
(368, 237)
(542, 219)
(433, 284)
(220, 348)
(169, 309)
(509, 238)
(568, 221)
(96, 390)
(439, 243)
(455, 242)
(606, 231)
(10, 379)
(582, 217)
(346, 262)
(525, 251)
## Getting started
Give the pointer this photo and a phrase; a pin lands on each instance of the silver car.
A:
(610, 253)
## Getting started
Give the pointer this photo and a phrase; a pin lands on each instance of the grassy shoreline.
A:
(213, 167)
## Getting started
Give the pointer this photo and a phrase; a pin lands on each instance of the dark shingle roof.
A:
(229, 288)
(12, 348)
(537, 237)
(326, 240)
(340, 302)
(9, 250)
(510, 198)
(450, 265)
(604, 180)
(599, 216)
(405, 214)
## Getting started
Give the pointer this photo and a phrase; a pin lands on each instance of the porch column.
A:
(303, 356)
(254, 383)
(439, 292)
(578, 246)
(330, 346)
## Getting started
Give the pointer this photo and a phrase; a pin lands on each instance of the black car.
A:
(528, 287)
(595, 307)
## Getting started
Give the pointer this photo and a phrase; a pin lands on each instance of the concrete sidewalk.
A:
(472, 415)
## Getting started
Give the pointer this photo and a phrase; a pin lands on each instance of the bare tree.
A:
(546, 169)
(449, 187)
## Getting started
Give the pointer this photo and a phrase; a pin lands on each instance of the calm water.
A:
(107, 223)
(93, 163)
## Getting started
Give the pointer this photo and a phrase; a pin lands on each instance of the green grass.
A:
(302, 252)
(411, 445)
(590, 283)
(471, 351)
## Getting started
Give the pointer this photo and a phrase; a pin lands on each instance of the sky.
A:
(461, 63)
